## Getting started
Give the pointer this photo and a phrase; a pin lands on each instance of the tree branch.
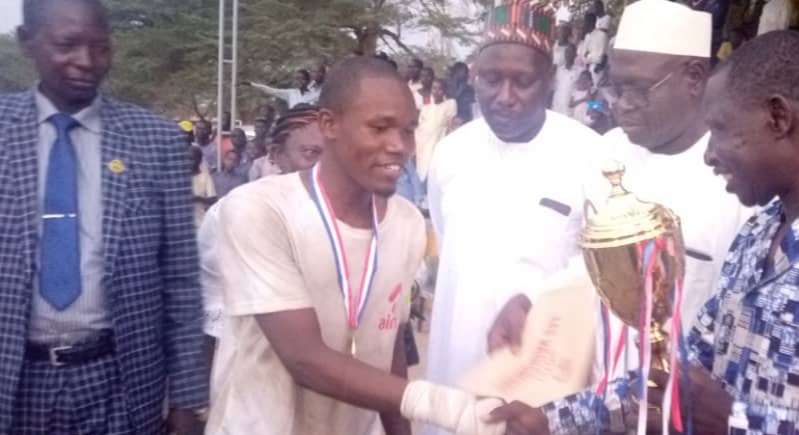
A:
(430, 9)
(397, 40)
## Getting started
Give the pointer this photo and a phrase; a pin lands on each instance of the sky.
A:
(10, 15)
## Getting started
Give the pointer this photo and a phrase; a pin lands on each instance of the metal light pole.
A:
(234, 70)
(220, 91)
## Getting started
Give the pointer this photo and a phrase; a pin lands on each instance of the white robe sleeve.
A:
(210, 273)
(284, 94)
(434, 196)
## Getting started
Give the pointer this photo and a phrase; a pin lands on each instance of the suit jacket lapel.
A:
(115, 161)
(23, 161)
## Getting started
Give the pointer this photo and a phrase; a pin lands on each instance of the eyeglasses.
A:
(639, 97)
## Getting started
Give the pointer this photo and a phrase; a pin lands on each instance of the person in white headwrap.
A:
(659, 67)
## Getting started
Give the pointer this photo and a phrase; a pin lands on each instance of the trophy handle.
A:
(588, 205)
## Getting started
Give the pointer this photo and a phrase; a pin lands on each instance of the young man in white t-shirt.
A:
(317, 269)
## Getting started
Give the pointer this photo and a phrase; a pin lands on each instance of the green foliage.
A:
(16, 71)
(166, 50)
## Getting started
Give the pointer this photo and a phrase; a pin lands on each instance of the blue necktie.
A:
(59, 282)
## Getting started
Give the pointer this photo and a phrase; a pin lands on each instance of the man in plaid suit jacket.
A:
(104, 359)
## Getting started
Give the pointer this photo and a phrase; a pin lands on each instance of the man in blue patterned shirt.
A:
(744, 347)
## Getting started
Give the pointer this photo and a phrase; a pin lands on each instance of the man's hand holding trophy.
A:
(635, 255)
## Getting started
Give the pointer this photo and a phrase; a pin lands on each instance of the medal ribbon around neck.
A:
(354, 304)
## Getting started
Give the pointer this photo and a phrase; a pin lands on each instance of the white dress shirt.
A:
(89, 313)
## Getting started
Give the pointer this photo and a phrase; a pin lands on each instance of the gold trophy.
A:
(614, 242)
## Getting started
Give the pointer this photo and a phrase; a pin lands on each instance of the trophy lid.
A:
(625, 219)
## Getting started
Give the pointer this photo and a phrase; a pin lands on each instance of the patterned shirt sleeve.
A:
(763, 419)
(617, 411)
(701, 337)
(587, 413)
(747, 418)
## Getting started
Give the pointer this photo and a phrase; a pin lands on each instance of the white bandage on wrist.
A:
(454, 410)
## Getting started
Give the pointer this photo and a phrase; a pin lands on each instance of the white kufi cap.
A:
(665, 27)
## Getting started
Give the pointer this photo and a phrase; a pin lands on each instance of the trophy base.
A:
(660, 349)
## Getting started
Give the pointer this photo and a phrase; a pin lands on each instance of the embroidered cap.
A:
(526, 22)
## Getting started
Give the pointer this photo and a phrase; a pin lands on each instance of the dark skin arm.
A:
(710, 412)
(521, 419)
(297, 339)
(509, 325)
(393, 423)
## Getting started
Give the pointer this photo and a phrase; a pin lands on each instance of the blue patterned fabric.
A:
(747, 336)
(60, 283)
(151, 269)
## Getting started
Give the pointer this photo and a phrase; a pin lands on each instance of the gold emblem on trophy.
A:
(635, 255)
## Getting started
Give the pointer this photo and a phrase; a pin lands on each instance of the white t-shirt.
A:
(506, 216)
(262, 167)
(563, 14)
(776, 16)
(710, 218)
(559, 54)
(580, 61)
(564, 83)
(275, 256)
(291, 96)
(596, 47)
(435, 121)
(202, 186)
(210, 273)
(211, 285)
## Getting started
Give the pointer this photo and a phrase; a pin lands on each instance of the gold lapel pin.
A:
(116, 166)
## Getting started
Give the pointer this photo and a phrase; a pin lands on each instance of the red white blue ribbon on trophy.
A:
(673, 387)
(650, 252)
(354, 303)
(671, 399)
(645, 347)
(610, 364)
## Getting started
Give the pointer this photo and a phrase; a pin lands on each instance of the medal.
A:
(354, 304)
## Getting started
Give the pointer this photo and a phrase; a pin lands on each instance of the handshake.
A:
(464, 414)
(516, 371)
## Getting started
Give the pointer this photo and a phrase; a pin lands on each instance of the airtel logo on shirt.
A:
(390, 321)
